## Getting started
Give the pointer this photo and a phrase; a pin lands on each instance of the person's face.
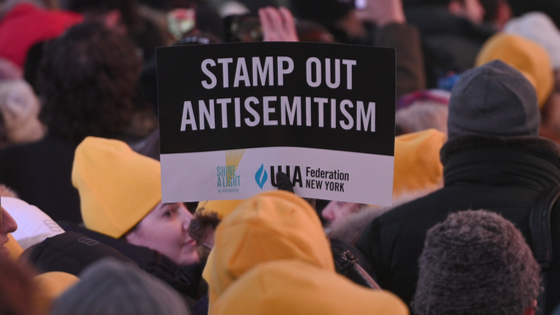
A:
(473, 11)
(337, 211)
(7, 225)
(164, 230)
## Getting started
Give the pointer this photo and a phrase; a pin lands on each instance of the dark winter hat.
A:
(475, 262)
(494, 99)
(109, 287)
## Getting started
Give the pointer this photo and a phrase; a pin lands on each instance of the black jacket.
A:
(41, 172)
(504, 176)
(69, 252)
(77, 248)
(450, 43)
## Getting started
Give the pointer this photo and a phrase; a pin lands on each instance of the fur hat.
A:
(118, 187)
(524, 55)
(422, 110)
(110, 287)
(540, 28)
(476, 262)
(494, 100)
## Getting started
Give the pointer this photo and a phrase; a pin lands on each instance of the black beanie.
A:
(494, 99)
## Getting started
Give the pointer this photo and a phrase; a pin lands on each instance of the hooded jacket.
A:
(278, 227)
(503, 175)
(295, 287)
(271, 226)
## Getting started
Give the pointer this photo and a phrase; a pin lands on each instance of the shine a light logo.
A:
(261, 176)
(228, 180)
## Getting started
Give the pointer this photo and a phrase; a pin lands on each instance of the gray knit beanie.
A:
(476, 262)
(494, 99)
(109, 287)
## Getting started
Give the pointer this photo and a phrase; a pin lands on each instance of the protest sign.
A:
(233, 115)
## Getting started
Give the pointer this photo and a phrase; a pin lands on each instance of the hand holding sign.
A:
(278, 25)
(382, 12)
(322, 114)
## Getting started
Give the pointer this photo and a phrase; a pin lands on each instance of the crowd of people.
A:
(475, 222)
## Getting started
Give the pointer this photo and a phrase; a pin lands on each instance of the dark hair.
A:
(88, 82)
(4, 141)
(127, 9)
(201, 225)
(443, 3)
(490, 9)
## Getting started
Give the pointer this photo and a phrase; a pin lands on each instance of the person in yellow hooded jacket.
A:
(418, 172)
(278, 226)
(295, 287)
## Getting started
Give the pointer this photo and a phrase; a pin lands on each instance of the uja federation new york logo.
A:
(261, 176)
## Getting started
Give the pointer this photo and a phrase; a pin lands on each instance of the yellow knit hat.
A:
(221, 208)
(417, 163)
(295, 287)
(525, 55)
(270, 226)
(118, 187)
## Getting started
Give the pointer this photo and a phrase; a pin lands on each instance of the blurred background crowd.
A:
(474, 227)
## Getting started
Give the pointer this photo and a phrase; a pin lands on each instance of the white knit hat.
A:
(538, 27)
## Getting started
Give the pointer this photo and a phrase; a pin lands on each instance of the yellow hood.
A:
(270, 226)
(417, 164)
(50, 286)
(527, 56)
(220, 207)
(295, 287)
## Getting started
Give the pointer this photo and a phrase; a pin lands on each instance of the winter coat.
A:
(270, 226)
(410, 62)
(40, 172)
(294, 287)
(278, 228)
(72, 252)
(449, 42)
(496, 174)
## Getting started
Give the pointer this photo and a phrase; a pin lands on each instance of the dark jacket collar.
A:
(486, 160)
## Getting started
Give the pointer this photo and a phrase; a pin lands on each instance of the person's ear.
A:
(133, 237)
